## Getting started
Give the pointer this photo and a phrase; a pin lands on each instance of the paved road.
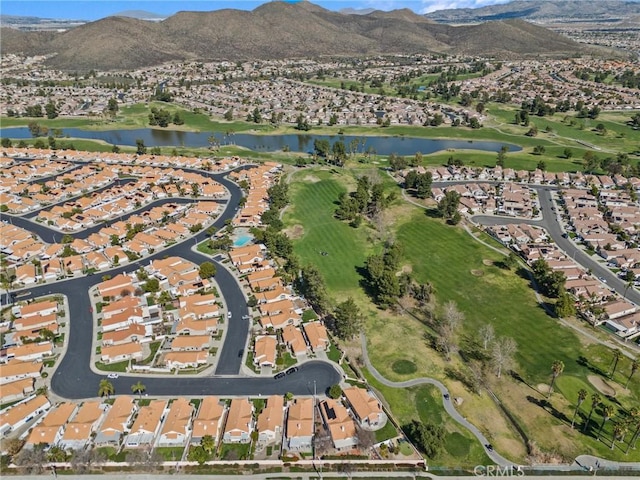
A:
(74, 379)
(552, 225)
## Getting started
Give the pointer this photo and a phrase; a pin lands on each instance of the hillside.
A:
(276, 30)
(542, 11)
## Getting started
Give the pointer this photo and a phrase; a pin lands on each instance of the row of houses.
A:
(594, 300)
(125, 423)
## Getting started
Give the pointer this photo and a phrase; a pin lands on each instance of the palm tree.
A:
(106, 388)
(208, 443)
(138, 388)
(634, 416)
(634, 368)
(616, 357)
(557, 368)
(607, 413)
(582, 395)
(619, 431)
(595, 401)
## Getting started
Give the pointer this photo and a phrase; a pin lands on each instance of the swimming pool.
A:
(242, 240)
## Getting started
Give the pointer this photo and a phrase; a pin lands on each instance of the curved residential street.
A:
(74, 379)
(551, 223)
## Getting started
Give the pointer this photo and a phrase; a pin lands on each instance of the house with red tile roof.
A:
(240, 422)
(270, 420)
(208, 421)
(177, 424)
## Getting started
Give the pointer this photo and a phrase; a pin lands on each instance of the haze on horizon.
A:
(96, 9)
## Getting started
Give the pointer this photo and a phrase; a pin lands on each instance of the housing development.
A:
(417, 263)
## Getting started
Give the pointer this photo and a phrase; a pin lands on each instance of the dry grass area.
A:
(294, 232)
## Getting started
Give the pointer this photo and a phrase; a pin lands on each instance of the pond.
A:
(379, 145)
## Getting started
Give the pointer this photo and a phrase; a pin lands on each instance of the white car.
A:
(112, 375)
(229, 314)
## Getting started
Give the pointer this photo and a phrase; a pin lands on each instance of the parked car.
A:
(278, 376)
(112, 375)
(292, 370)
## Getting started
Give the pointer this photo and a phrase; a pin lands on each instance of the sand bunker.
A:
(477, 273)
(601, 385)
(487, 262)
(543, 388)
(311, 179)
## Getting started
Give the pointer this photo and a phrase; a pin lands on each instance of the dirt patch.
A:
(311, 179)
(294, 232)
(477, 273)
(543, 388)
(601, 385)
(487, 262)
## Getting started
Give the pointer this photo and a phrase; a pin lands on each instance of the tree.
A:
(582, 396)
(595, 402)
(448, 206)
(634, 422)
(208, 443)
(138, 388)
(487, 334)
(568, 153)
(511, 261)
(51, 110)
(429, 438)
(502, 354)
(616, 358)
(556, 369)
(198, 454)
(112, 106)
(335, 391)
(5, 142)
(634, 368)
(207, 270)
(31, 461)
(311, 285)
(619, 431)
(448, 325)
(565, 306)
(347, 319)
(140, 148)
(106, 389)
(607, 413)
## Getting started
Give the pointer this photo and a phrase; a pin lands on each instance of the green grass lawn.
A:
(386, 432)
(171, 454)
(235, 451)
(445, 256)
(312, 208)
(113, 367)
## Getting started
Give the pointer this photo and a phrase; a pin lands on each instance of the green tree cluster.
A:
(429, 438)
(551, 282)
(448, 207)
(381, 271)
(420, 183)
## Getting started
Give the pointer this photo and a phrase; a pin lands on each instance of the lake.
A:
(270, 143)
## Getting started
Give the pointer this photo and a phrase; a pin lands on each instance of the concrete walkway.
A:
(446, 402)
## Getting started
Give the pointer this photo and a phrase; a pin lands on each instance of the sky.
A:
(95, 9)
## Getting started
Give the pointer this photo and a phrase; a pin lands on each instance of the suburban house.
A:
(340, 424)
(317, 335)
(240, 422)
(183, 343)
(78, 433)
(208, 421)
(116, 286)
(116, 421)
(14, 417)
(176, 428)
(15, 370)
(366, 408)
(146, 426)
(265, 351)
(294, 340)
(14, 391)
(270, 420)
(186, 359)
(50, 429)
(119, 353)
(300, 425)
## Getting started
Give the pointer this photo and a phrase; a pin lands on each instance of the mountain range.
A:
(277, 30)
(543, 11)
